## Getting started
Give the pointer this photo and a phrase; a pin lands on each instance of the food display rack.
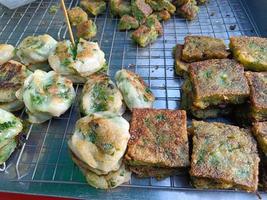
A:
(42, 164)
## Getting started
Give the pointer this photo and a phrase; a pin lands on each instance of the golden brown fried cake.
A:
(95, 7)
(224, 156)
(250, 51)
(77, 16)
(157, 172)
(140, 10)
(144, 35)
(188, 10)
(197, 48)
(12, 76)
(163, 15)
(158, 138)
(181, 67)
(260, 131)
(209, 112)
(258, 95)
(218, 82)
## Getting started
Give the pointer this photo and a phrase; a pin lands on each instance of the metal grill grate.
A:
(44, 157)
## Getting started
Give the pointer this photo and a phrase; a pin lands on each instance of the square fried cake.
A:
(250, 51)
(224, 156)
(260, 132)
(218, 82)
(209, 112)
(197, 48)
(181, 67)
(158, 138)
(258, 95)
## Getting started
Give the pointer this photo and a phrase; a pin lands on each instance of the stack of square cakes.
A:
(158, 146)
(213, 87)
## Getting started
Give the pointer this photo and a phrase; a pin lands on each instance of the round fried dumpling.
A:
(10, 127)
(100, 94)
(135, 92)
(111, 180)
(78, 62)
(12, 75)
(100, 141)
(7, 52)
(33, 51)
(46, 94)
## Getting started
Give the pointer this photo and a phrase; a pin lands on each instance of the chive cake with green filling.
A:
(158, 143)
(181, 67)
(140, 9)
(95, 7)
(218, 81)
(188, 10)
(224, 156)
(120, 8)
(144, 35)
(260, 132)
(159, 5)
(197, 48)
(258, 95)
(250, 51)
(128, 22)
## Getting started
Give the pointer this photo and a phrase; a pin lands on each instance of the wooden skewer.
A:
(67, 21)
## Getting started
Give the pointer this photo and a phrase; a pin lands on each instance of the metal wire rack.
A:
(43, 158)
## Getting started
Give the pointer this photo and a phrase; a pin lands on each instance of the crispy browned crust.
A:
(218, 81)
(225, 155)
(181, 67)
(158, 138)
(12, 76)
(198, 48)
(258, 95)
(260, 132)
(158, 173)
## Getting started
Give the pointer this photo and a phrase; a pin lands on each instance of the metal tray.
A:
(42, 164)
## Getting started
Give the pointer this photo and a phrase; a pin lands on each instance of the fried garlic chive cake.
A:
(181, 67)
(218, 82)
(95, 7)
(224, 156)
(260, 132)
(250, 51)
(46, 94)
(10, 127)
(135, 92)
(105, 181)
(198, 48)
(87, 29)
(163, 15)
(77, 63)
(120, 8)
(12, 76)
(158, 139)
(100, 140)
(144, 35)
(100, 94)
(77, 16)
(209, 112)
(159, 5)
(258, 96)
(7, 52)
(33, 51)
(128, 22)
(140, 10)
(188, 10)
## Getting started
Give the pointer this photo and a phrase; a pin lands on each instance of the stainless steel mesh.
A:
(44, 156)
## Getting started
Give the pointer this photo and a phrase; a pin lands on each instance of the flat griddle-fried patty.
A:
(158, 138)
(224, 155)
(197, 48)
(258, 95)
(218, 81)
(260, 131)
(250, 51)
(181, 67)
(12, 76)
